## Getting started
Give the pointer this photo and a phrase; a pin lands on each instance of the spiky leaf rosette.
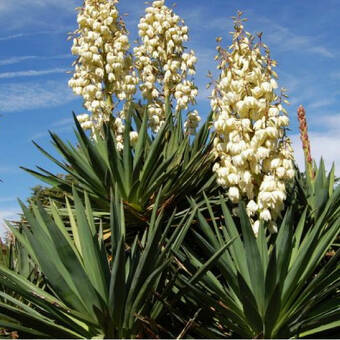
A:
(171, 163)
(93, 291)
(272, 286)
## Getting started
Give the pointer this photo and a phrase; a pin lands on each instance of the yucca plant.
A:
(92, 291)
(265, 287)
(171, 163)
(145, 245)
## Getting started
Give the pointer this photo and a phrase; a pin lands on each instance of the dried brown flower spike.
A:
(305, 140)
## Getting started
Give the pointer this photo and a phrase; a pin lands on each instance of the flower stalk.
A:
(254, 155)
(163, 65)
(103, 74)
(303, 127)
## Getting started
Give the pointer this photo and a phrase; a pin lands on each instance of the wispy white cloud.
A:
(287, 40)
(61, 126)
(12, 36)
(59, 131)
(16, 60)
(15, 15)
(7, 199)
(31, 73)
(62, 123)
(329, 121)
(59, 30)
(310, 90)
(31, 95)
(10, 6)
(321, 103)
(8, 169)
(68, 5)
(198, 18)
(284, 38)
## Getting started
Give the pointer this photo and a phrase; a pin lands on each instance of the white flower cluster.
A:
(85, 121)
(104, 67)
(162, 64)
(119, 128)
(192, 122)
(254, 155)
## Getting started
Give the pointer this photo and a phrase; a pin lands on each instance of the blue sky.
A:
(35, 56)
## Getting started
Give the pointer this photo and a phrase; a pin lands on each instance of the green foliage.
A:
(171, 163)
(317, 191)
(267, 286)
(141, 243)
(15, 257)
(93, 290)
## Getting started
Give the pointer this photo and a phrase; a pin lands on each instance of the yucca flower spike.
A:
(254, 156)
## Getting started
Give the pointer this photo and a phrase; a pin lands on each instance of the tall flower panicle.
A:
(103, 73)
(164, 66)
(254, 156)
(305, 140)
